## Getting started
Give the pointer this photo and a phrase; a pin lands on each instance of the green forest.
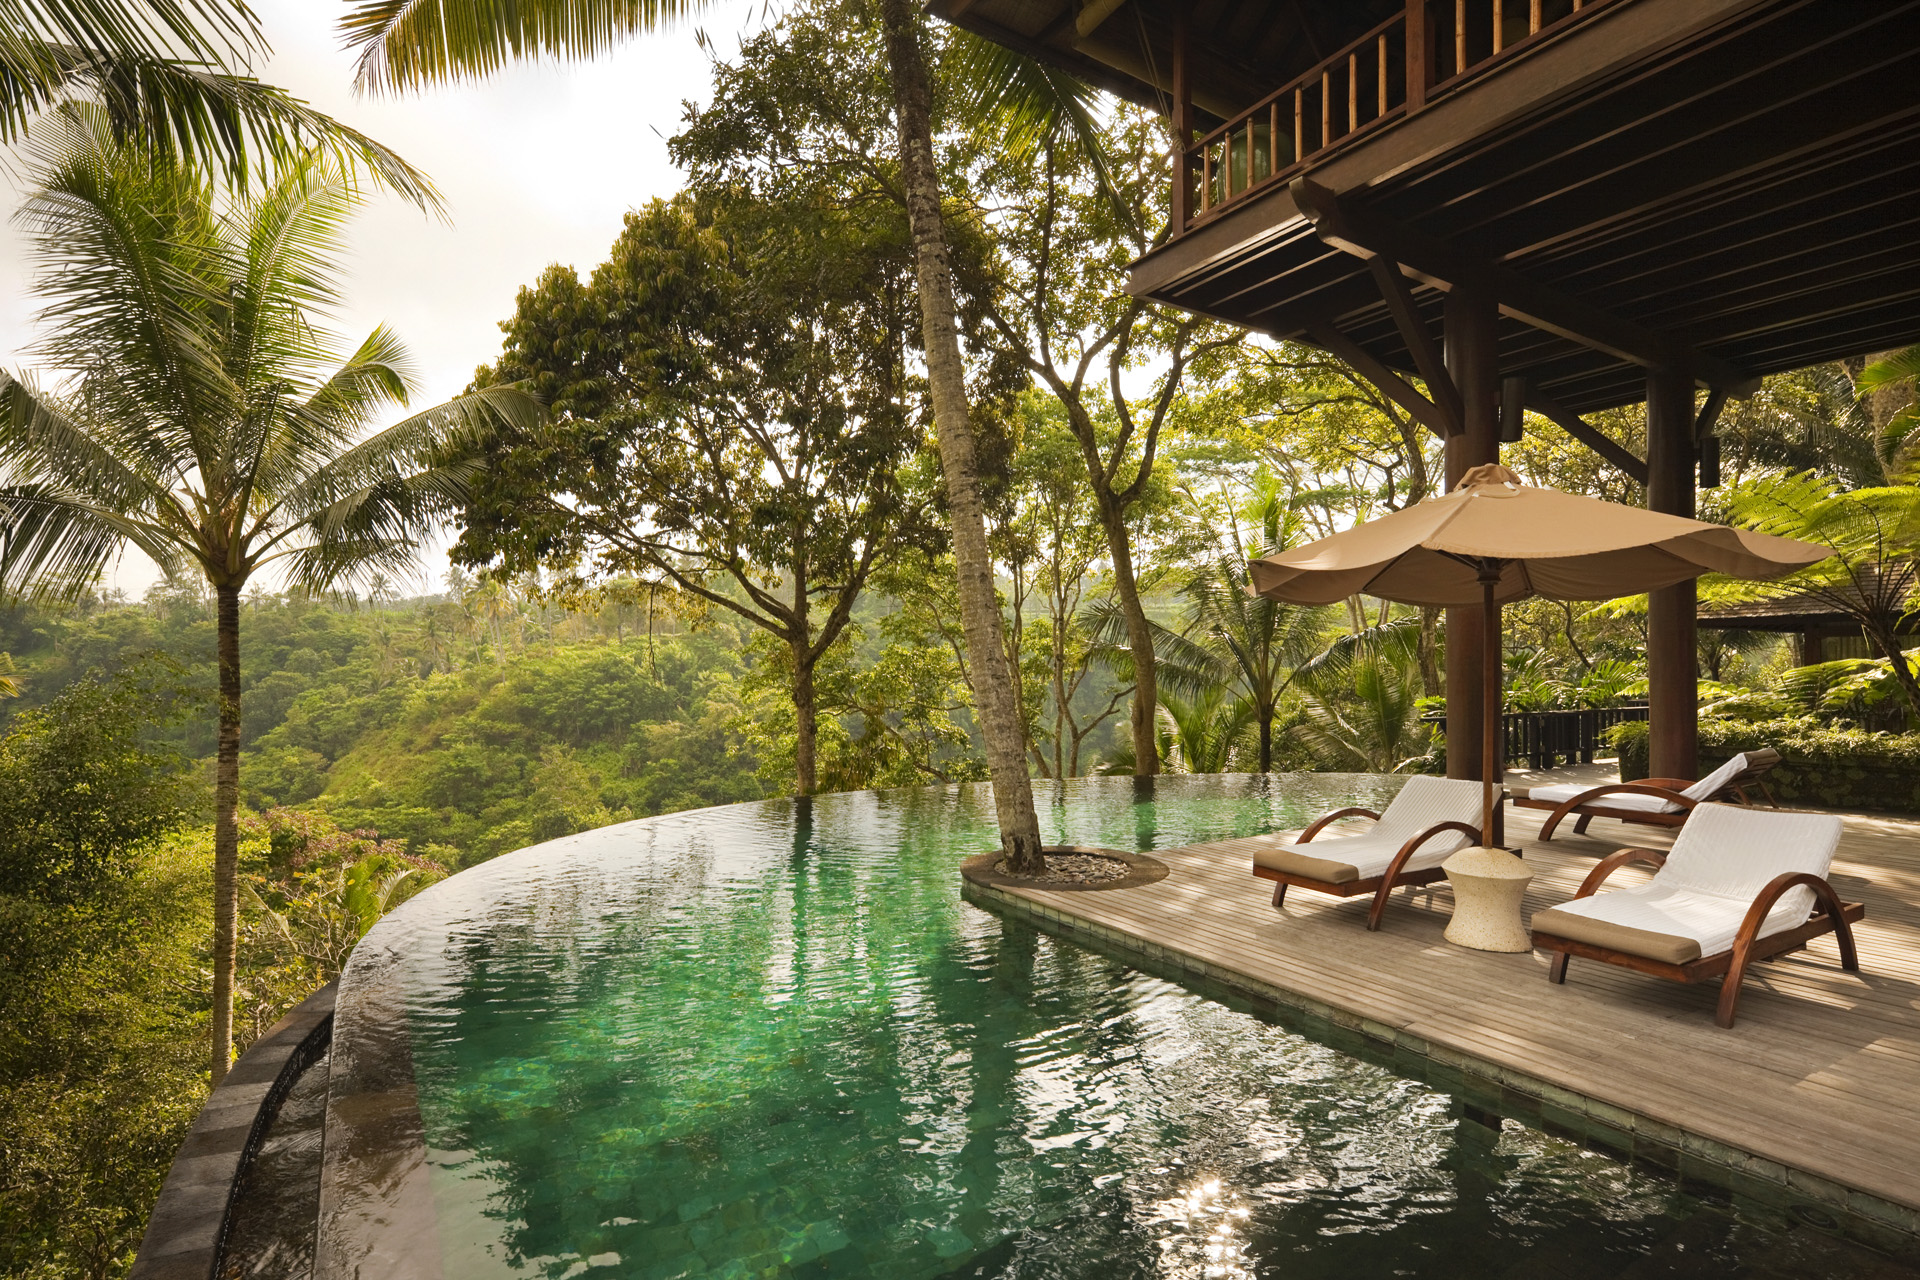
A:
(747, 508)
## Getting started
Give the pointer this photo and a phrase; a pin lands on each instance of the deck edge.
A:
(1818, 1201)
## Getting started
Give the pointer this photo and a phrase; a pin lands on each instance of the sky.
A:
(537, 165)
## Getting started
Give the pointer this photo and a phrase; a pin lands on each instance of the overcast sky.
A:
(537, 165)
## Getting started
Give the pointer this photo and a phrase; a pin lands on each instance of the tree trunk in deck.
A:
(992, 679)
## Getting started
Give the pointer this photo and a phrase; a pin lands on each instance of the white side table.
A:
(1487, 887)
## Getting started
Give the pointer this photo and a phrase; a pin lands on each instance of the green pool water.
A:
(771, 1040)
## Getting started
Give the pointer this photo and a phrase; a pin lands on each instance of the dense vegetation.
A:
(852, 465)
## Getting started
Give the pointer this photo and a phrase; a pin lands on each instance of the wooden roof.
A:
(1727, 185)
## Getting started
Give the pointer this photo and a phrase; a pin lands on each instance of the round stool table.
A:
(1487, 885)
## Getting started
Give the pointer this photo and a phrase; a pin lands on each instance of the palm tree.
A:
(407, 45)
(206, 419)
(171, 72)
(1258, 642)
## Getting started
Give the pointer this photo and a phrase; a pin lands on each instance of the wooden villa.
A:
(1561, 205)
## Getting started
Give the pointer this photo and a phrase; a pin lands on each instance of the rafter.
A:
(1369, 236)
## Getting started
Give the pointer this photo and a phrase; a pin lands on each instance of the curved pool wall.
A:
(771, 1039)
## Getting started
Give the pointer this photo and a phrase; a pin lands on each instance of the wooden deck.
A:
(1816, 1091)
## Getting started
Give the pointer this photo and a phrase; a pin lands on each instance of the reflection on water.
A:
(770, 1040)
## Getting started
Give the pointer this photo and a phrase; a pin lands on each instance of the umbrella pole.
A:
(1490, 721)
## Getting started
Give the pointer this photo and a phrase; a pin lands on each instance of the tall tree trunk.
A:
(805, 721)
(993, 691)
(226, 829)
(1146, 689)
(1266, 739)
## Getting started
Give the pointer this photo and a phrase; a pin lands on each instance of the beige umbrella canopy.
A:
(1494, 539)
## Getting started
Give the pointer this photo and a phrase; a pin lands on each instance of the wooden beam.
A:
(1588, 434)
(1367, 236)
(1709, 414)
(1413, 331)
(1391, 384)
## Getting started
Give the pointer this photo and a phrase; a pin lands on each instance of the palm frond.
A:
(1897, 367)
(1396, 642)
(437, 441)
(404, 45)
(201, 115)
(1023, 103)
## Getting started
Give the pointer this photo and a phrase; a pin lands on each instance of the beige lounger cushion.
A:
(1669, 947)
(1299, 864)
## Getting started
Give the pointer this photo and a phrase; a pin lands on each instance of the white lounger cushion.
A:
(1705, 789)
(1721, 860)
(1424, 802)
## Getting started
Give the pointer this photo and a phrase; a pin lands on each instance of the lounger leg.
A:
(1379, 907)
(1557, 971)
(1580, 827)
(1730, 985)
(1279, 895)
(1843, 934)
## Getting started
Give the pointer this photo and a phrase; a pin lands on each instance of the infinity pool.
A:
(771, 1040)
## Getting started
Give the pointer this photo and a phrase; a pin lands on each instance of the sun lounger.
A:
(1738, 887)
(1658, 802)
(1430, 819)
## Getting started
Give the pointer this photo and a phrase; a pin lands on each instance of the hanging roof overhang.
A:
(1728, 187)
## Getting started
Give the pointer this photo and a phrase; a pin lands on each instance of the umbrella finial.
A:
(1488, 473)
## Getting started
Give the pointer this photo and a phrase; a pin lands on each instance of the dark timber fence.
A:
(1548, 739)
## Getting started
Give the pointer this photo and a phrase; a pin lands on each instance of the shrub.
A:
(1820, 764)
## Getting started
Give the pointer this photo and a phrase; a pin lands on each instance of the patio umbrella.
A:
(1494, 539)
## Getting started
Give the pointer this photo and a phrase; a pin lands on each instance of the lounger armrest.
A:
(1824, 899)
(1335, 816)
(1670, 784)
(1392, 874)
(1631, 789)
(1744, 943)
(1612, 863)
(1412, 846)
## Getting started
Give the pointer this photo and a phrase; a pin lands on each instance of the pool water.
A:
(771, 1040)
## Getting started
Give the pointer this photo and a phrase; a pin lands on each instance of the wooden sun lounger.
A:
(1379, 886)
(1831, 915)
(1591, 804)
(1330, 876)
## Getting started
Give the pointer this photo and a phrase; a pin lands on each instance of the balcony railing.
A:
(1434, 46)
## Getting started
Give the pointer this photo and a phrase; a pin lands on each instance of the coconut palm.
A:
(406, 45)
(172, 73)
(204, 418)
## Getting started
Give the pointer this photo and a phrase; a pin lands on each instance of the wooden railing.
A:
(1392, 70)
(1549, 739)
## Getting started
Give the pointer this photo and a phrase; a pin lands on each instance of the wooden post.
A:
(1671, 661)
(1419, 57)
(1470, 334)
(1182, 125)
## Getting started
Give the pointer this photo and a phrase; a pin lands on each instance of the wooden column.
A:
(1182, 125)
(1672, 692)
(1471, 357)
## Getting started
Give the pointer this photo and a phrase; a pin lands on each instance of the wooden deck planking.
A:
(1821, 1075)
